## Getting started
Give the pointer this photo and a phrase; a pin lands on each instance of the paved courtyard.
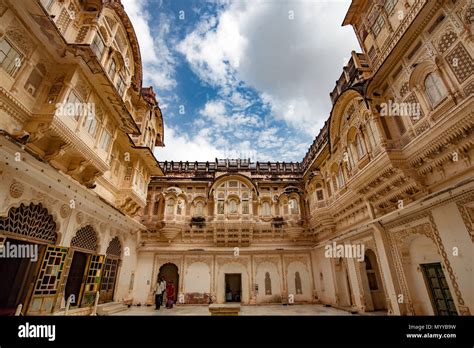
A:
(245, 310)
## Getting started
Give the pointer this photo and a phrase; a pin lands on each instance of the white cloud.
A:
(215, 111)
(180, 147)
(222, 120)
(293, 64)
(157, 59)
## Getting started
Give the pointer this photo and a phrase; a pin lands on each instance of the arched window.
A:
(435, 89)
(199, 211)
(293, 204)
(360, 146)
(340, 178)
(170, 207)
(232, 206)
(266, 209)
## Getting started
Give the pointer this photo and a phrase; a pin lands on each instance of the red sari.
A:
(170, 291)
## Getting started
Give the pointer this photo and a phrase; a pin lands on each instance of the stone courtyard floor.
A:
(308, 309)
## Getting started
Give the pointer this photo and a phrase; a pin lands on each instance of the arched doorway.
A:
(25, 232)
(85, 268)
(110, 271)
(374, 291)
(169, 271)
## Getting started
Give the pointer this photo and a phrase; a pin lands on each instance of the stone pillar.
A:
(253, 295)
(315, 298)
(389, 275)
(214, 280)
(284, 285)
(352, 265)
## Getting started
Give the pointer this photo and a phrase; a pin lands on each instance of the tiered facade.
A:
(78, 131)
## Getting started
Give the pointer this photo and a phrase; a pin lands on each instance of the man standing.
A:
(160, 288)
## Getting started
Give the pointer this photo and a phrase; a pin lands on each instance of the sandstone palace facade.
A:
(389, 178)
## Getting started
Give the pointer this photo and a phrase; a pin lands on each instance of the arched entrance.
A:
(84, 272)
(373, 286)
(110, 271)
(169, 271)
(24, 235)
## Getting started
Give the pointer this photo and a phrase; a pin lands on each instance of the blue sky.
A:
(241, 78)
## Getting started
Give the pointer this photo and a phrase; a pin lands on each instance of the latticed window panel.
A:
(51, 271)
(32, 221)
(404, 89)
(115, 248)
(94, 275)
(413, 100)
(85, 238)
(446, 41)
(469, 89)
(109, 274)
(461, 63)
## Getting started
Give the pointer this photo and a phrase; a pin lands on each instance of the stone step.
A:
(110, 308)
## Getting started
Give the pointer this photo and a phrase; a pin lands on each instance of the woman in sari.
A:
(170, 294)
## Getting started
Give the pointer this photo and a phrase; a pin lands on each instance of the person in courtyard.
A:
(228, 294)
(170, 294)
(160, 289)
